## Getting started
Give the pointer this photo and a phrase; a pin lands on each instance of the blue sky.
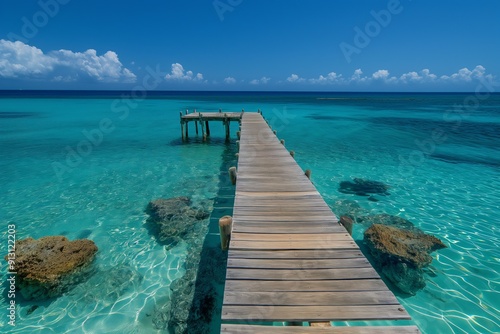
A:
(328, 45)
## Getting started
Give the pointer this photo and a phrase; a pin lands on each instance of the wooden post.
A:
(347, 222)
(238, 134)
(220, 110)
(238, 144)
(187, 129)
(208, 128)
(237, 155)
(227, 123)
(292, 153)
(196, 124)
(225, 228)
(182, 125)
(282, 141)
(232, 175)
(308, 173)
(275, 132)
(202, 128)
(259, 112)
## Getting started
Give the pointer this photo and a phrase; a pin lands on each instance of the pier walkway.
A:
(289, 259)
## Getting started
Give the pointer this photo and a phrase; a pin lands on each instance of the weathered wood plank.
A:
(306, 244)
(325, 286)
(309, 313)
(299, 274)
(323, 237)
(281, 217)
(323, 298)
(255, 329)
(298, 264)
(284, 228)
(296, 254)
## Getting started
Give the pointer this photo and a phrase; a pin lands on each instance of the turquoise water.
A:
(443, 167)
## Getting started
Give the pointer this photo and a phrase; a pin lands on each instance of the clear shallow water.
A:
(447, 185)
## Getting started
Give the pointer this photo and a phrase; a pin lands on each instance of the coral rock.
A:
(176, 219)
(401, 254)
(47, 267)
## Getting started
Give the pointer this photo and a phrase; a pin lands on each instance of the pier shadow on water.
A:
(196, 302)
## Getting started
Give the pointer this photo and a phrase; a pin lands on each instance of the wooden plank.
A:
(281, 217)
(277, 202)
(255, 329)
(322, 298)
(298, 264)
(299, 275)
(283, 228)
(296, 254)
(306, 244)
(283, 194)
(309, 313)
(324, 237)
(330, 286)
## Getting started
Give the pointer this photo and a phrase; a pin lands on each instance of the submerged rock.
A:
(174, 208)
(176, 219)
(49, 266)
(362, 187)
(193, 297)
(401, 254)
(345, 207)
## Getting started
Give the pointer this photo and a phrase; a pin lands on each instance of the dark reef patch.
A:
(363, 187)
(10, 114)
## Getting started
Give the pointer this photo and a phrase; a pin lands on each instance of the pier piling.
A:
(232, 175)
(225, 229)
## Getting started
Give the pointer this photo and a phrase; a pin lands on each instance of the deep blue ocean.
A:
(84, 164)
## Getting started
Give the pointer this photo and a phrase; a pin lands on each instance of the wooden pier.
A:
(289, 259)
(204, 118)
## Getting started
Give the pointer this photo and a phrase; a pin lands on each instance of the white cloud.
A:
(413, 77)
(230, 80)
(329, 78)
(357, 76)
(381, 74)
(107, 67)
(466, 75)
(427, 75)
(424, 76)
(263, 80)
(18, 60)
(294, 78)
(178, 73)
